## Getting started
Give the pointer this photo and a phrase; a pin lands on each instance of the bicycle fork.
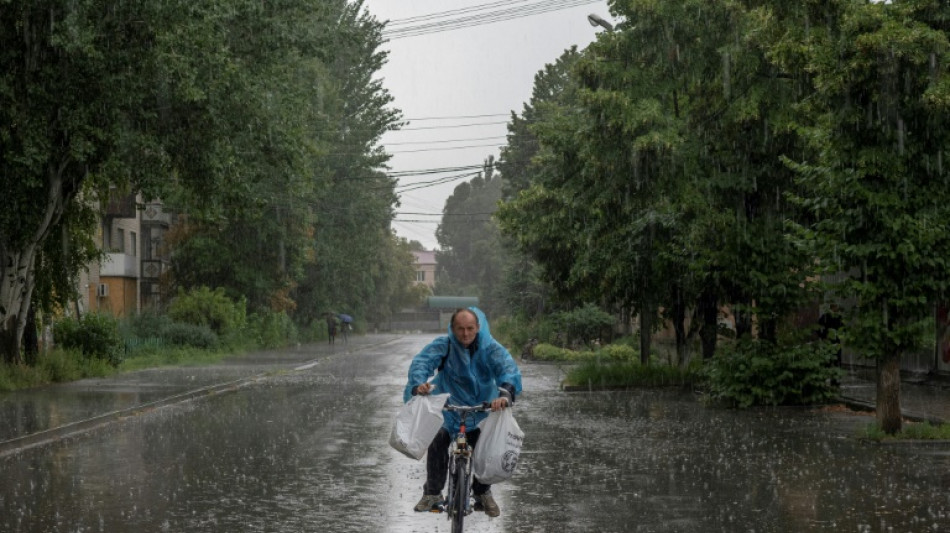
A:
(460, 458)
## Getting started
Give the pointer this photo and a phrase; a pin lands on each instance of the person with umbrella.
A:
(347, 324)
(331, 327)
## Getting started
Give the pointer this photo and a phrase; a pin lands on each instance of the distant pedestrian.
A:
(346, 325)
(331, 327)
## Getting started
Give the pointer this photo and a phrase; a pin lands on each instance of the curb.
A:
(862, 405)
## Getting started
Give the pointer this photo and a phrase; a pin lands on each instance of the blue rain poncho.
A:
(470, 378)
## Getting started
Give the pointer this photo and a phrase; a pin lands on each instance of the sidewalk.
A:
(36, 416)
(921, 399)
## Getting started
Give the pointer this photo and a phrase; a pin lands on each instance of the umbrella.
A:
(345, 318)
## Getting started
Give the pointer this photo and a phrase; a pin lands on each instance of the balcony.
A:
(155, 214)
(120, 265)
(121, 206)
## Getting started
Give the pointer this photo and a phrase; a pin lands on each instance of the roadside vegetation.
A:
(798, 370)
(910, 431)
(223, 120)
(202, 326)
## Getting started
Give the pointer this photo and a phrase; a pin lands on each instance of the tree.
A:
(540, 222)
(470, 256)
(525, 287)
(75, 78)
(878, 189)
(669, 154)
(316, 208)
(228, 110)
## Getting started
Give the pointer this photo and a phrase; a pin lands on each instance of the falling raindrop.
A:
(900, 136)
(725, 74)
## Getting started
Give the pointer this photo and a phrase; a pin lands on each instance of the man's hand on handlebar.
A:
(499, 403)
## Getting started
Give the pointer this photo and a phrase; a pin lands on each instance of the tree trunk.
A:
(17, 264)
(743, 322)
(16, 273)
(31, 339)
(646, 328)
(888, 402)
(679, 327)
(710, 332)
(626, 321)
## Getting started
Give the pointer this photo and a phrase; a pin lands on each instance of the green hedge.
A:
(272, 330)
(753, 372)
(95, 336)
(211, 308)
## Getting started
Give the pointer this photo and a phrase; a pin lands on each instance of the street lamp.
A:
(597, 20)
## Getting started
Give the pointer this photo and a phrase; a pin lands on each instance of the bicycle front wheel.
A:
(460, 496)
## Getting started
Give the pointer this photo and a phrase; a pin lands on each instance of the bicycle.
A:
(458, 501)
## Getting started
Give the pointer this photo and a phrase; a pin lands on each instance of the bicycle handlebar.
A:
(485, 406)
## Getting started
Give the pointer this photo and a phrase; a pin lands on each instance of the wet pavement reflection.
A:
(307, 451)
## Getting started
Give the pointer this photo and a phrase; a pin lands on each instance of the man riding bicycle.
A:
(473, 367)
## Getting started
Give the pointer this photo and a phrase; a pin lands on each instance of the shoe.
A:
(429, 502)
(485, 502)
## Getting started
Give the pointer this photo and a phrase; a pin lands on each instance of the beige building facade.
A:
(425, 268)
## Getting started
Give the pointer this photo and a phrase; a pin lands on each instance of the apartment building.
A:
(128, 279)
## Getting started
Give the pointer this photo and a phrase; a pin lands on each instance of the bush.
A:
(273, 330)
(619, 352)
(585, 323)
(549, 352)
(145, 325)
(204, 307)
(182, 334)
(95, 335)
(516, 332)
(754, 372)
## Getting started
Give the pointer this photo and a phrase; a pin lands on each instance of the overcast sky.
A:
(457, 68)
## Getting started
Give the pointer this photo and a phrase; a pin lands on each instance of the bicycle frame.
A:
(458, 503)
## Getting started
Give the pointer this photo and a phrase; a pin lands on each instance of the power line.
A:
(426, 184)
(430, 221)
(442, 170)
(461, 20)
(495, 145)
(441, 214)
(453, 126)
(467, 21)
(458, 116)
(446, 141)
(419, 18)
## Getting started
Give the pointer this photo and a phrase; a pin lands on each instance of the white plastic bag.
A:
(417, 422)
(498, 448)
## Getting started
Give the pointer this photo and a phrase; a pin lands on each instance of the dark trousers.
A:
(437, 462)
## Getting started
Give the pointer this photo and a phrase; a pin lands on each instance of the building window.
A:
(106, 237)
(120, 245)
(133, 245)
(420, 275)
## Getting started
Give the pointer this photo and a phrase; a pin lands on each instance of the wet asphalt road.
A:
(306, 450)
